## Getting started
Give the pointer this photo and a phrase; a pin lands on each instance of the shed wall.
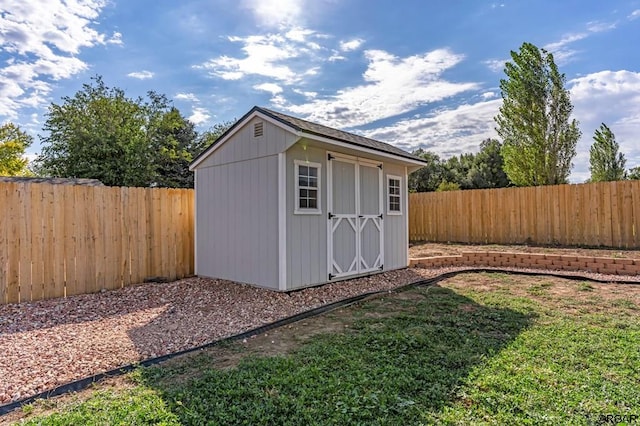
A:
(306, 233)
(245, 146)
(396, 241)
(237, 221)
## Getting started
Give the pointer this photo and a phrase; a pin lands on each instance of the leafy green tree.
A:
(456, 170)
(487, 170)
(634, 173)
(539, 139)
(172, 140)
(13, 144)
(98, 133)
(101, 133)
(447, 186)
(606, 162)
(428, 177)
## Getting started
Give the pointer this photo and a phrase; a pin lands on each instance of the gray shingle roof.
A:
(335, 134)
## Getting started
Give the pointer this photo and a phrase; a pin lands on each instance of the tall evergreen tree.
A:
(606, 162)
(539, 139)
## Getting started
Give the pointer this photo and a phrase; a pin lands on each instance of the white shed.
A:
(284, 203)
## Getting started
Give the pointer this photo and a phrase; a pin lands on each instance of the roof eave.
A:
(351, 145)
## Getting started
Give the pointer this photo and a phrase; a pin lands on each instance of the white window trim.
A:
(389, 211)
(296, 206)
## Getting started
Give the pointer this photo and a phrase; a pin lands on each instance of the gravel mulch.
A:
(48, 343)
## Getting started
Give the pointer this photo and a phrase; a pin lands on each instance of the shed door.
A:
(355, 216)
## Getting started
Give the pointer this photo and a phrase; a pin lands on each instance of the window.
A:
(394, 197)
(307, 188)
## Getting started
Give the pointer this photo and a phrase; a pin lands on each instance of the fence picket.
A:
(61, 240)
(595, 214)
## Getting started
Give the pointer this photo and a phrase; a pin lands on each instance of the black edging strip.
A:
(81, 384)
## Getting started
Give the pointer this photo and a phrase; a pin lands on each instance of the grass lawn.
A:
(476, 349)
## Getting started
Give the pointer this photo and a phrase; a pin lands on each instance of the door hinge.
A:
(381, 216)
(330, 277)
(360, 216)
(380, 166)
(381, 267)
(331, 215)
(330, 157)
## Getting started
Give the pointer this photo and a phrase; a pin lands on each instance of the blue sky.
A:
(411, 73)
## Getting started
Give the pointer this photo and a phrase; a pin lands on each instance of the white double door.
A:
(355, 218)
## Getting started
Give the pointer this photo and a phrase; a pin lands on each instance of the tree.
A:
(539, 140)
(13, 144)
(172, 139)
(634, 173)
(428, 177)
(606, 163)
(102, 134)
(487, 170)
(447, 186)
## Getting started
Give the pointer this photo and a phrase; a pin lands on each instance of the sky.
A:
(413, 73)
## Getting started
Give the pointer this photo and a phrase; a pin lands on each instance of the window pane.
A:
(304, 193)
(313, 171)
(303, 181)
(303, 170)
(313, 204)
(303, 203)
(313, 181)
(313, 193)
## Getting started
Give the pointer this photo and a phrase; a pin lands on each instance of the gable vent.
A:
(258, 129)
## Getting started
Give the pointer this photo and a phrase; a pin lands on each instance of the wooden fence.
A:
(596, 214)
(61, 240)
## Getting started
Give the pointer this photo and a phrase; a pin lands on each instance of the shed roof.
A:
(340, 135)
(314, 129)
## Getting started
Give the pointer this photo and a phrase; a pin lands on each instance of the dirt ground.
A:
(434, 249)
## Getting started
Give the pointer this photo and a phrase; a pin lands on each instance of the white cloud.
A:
(392, 86)
(268, 55)
(306, 94)
(116, 39)
(272, 88)
(43, 38)
(634, 15)
(561, 51)
(488, 95)
(276, 13)
(350, 45)
(446, 132)
(299, 34)
(335, 56)
(141, 75)
(199, 116)
(186, 97)
(495, 65)
(613, 98)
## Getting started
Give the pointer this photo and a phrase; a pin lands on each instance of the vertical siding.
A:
(237, 219)
(243, 146)
(306, 234)
(395, 231)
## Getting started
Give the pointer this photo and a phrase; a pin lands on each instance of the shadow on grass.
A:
(400, 359)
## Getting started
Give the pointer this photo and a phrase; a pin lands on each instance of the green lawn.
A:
(477, 349)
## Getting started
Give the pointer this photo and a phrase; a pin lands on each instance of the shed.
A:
(284, 203)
